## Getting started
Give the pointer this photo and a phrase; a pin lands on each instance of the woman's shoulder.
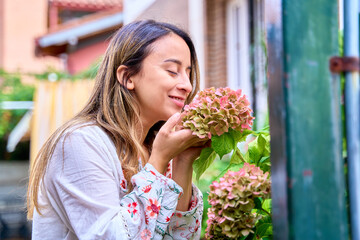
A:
(85, 140)
(86, 134)
(85, 130)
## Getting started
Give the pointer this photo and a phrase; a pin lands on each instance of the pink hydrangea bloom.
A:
(214, 111)
(232, 201)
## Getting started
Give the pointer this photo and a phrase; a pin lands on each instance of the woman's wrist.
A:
(158, 163)
(183, 165)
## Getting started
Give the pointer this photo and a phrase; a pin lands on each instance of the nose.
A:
(185, 84)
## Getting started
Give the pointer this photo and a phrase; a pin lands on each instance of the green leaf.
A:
(206, 158)
(258, 203)
(223, 144)
(267, 205)
(267, 145)
(231, 167)
(237, 157)
(261, 141)
(261, 229)
(264, 131)
(239, 136)
(264, 227)
(265, 164)
(264, 159)
(258, 149)
(254, 153)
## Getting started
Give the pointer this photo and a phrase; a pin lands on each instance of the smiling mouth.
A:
(178, 101)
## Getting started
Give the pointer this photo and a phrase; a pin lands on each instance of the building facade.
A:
(20, 23)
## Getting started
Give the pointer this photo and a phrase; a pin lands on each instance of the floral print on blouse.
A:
(151, 208)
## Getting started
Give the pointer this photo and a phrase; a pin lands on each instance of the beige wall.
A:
(172, 11)
(1, 31)
(22, 21)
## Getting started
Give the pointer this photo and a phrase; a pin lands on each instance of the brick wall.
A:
(216, 72)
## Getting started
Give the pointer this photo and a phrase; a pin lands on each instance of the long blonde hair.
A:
(112, 106)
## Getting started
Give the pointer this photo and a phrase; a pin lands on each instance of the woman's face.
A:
(163, 84)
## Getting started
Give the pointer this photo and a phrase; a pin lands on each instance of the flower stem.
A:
(265, 211)
(237, 152)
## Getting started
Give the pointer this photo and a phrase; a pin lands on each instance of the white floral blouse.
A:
(84, 196)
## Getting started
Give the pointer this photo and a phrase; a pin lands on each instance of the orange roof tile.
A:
(55, 41)
(96, 4)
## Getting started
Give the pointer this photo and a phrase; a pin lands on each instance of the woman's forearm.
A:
(182, 175)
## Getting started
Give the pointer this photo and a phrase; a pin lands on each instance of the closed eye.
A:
(172, 73)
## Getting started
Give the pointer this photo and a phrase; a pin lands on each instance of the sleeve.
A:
(186, 225)
(85, 192)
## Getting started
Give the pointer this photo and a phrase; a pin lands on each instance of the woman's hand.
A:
(182, 171)
(174, 142)
(171, 142)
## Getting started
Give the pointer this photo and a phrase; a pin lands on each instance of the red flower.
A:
(154, 208)
(146, 234)
(168, 171)
(132, 208)
(193, 203)
(168, 219)
(123, 185)
(146, 189)
(153, 173)
(197, 225)
(146, 219)
(168, 167)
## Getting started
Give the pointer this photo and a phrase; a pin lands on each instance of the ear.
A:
(121, 76)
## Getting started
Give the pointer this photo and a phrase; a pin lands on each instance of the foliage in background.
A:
(11, 89)
(54, 75)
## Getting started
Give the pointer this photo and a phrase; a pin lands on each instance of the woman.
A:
(108, 173)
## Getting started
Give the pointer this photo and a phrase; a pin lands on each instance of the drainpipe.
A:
(352, 106)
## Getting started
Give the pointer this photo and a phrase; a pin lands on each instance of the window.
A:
(238, 46)
(246, 54)
(66, 15)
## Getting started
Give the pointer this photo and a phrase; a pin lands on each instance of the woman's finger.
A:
(172, 122)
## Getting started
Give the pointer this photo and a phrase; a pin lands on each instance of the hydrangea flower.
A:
(214, 111)
(232, 202)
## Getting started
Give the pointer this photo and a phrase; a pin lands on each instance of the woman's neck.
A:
(146, 154)
(143, 130)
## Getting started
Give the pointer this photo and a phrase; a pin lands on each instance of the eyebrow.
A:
(178, 62)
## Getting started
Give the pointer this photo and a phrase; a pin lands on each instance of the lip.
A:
(179, 101)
